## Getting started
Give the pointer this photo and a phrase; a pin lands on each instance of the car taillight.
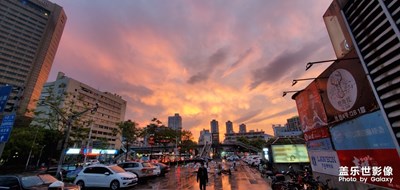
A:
(144, 169)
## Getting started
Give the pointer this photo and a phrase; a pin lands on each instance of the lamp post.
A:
(68, 122)
(310, 64)
(296, 80)
(87, 144)
(40, 155)
(30, 152)
(285, 92)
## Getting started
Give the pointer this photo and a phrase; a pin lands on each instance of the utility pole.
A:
(87, 144)
(68, 122)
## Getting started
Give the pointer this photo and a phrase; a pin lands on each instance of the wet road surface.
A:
(184, 177)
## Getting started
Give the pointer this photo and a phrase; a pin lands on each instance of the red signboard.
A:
(374, 166)
(310, 107)
(346, 91)
(318, 133)
(151, 140)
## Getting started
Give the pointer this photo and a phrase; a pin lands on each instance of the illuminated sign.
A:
(292, 153)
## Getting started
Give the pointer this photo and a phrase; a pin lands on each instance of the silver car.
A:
(141, 169)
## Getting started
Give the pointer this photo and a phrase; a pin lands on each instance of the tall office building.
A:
(372, 29)
(30, 31)
(229, 127)
(111, 108)
(215, 131)
(175, 122)
(214, 126)
(242, 128)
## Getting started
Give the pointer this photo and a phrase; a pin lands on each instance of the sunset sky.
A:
(204, 59)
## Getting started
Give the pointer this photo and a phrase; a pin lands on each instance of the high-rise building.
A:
(229, 127)
(175, 122)
(214, 126)
(30, 31)
(111, 108)
(242, 128)
(205, 137)
(214, 131)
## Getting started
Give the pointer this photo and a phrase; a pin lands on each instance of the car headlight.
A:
(126, 178)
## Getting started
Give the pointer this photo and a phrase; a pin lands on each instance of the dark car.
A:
(164, 168)
(30, 182)
(53, 171)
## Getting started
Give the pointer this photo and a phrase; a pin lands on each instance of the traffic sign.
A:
(6, 127)
(4, 94)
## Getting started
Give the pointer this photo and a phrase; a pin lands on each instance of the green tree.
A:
(259, 143)
(129, 131)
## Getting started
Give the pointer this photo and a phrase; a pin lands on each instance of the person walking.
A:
(202, 175)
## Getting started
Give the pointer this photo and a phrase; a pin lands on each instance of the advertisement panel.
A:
(318, 133)
(366, 132)
(291, 153)
(374, 166)
(346, 92)
(310, 107)
(326, 162)
(320, 144)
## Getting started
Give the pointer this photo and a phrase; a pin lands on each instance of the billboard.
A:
(366, 132)
(310, 107)
(326, 162)
(291, 153)
(346, 92)
(374, 166)
(318, 133)
(320, 144)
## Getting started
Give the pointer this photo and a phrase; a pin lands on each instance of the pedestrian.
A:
(202, 175)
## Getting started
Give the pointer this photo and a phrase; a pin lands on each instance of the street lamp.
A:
(88, 143)
(296, 80)
(40, 155)
(68, 121)
(285, 92)
(310, 64)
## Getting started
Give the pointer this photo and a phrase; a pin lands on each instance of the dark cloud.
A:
(247, 116)
(216, 59)
(284, 112)
(285, 63)
(199, 77)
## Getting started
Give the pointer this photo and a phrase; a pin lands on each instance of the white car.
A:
(141, 169)
(157, 171)
(254, 161)
(113, 177)
(232, 158)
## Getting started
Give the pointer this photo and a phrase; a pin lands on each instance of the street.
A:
(184, 177)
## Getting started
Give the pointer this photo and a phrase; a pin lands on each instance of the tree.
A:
(55, 108)
(130, 132)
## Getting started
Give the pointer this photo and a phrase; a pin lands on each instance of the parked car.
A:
(157, 171)
(71, 175)
(254, 161)
(37, 182)
(92, 162)
(113, 177)
(141, 169)
(232, 158)
(53, 171)
(164, 168)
